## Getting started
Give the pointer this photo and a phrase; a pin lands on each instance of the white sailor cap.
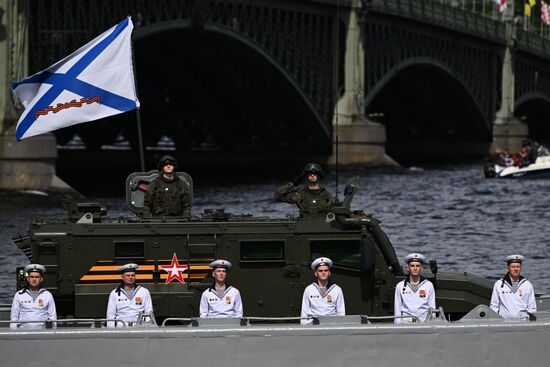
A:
(35, 268)
(415, 257)
(514, 259)
(321, 261)
(128, 268)
(220, 263)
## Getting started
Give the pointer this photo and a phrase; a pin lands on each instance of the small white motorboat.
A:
(506, 169)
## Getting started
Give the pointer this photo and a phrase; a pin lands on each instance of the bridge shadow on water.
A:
(104, 172)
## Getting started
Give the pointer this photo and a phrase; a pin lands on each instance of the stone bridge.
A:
(284, 78)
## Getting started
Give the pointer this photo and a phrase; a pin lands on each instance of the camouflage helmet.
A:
(167, 159)
(313, 167)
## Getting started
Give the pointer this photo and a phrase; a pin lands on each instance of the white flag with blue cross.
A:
(94, 82)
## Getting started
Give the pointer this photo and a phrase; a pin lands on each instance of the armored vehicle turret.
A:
(271, 258)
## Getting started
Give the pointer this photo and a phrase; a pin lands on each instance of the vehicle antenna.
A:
(337, 63)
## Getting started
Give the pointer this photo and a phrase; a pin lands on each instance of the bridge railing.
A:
(445, 13)
(527, 18)
(533, 43)
(480, 18)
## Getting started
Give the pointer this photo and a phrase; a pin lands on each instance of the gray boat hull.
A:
(490, 343)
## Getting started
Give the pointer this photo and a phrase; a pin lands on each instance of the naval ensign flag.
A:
(94, 82)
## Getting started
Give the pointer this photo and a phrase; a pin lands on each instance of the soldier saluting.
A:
(313, 200)
(167, 195)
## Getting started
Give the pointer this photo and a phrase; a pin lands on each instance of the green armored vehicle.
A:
(271, 259)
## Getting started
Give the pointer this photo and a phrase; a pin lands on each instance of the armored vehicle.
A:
(271, 258)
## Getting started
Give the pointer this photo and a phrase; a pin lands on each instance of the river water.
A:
(451, 214)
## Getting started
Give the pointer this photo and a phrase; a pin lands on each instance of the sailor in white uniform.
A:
(513, 295)
(221, 299)
(33, 302)
(322, 297)
(415, 295)
(128, 299)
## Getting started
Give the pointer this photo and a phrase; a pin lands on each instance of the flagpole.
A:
(138, 111)
(140, 138)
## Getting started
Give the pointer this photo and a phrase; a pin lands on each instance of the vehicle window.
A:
(128, 249)
(47, 248)
(262, 250)
(344, 253)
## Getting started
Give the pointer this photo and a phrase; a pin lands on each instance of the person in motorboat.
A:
(506, 159)
(528, 153)
(33, 303)
(322, 297)
(167, 195)
(525, 155)
(221, 299)
(313, 200)
(129, 299)
(415, 295)
(513, 295)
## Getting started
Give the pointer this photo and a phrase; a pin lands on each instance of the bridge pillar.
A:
(508, 131)
(360, 141)
(29, 164)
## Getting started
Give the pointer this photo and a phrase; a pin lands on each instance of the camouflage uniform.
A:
(166, 197)
(312, 203)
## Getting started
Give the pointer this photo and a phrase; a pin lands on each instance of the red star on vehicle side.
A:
(174, 270)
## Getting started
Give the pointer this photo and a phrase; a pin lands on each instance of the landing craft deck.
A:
(342, 341)
(271, 268)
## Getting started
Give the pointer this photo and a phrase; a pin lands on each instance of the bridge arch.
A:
(534, 109)
(219, 87)
(238, 98)
(427, 111)
(165, 26)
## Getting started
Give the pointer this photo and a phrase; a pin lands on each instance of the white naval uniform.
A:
(408, 302)
(230, 305)
(24, 307)
(332, 304)
(122, 307)
(513, 305)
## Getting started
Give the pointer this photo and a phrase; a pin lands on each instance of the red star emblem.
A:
(174, 270)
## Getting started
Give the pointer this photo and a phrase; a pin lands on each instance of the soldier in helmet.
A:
(313, 200)
(167, 195)
(33, 303)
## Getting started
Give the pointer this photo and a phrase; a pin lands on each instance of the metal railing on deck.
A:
(50, 324)
(149, 320)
